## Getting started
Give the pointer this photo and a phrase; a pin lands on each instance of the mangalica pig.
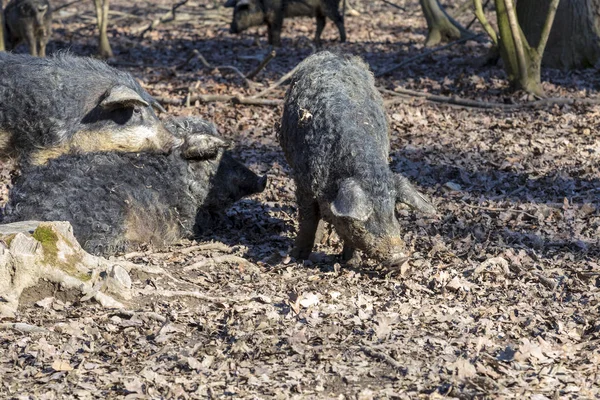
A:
(65, 104)
(117, 201)
(334, 134)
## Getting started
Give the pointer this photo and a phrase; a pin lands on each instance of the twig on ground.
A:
(196, 54)
(389, 3)
(166, 17)
(69, 4)
(23, 327)
(221, 259)
(424, 54)
(276, 84)
(548, 282)
(208, 98)
(148, 314)
(500, 209)
(207, 247)
(262, 64)
(544, 280)
(400, 92)
(201, 296)
(382, 357)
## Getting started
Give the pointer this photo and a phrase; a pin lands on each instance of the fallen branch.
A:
(218, 260)
(500, 209)
(276, 84)
(382, 357)
(207, 247)
(208, 98)
(23, 327)
(166, 17)
(544, 280)
(389, 3)
(262, 64)
(404, 93)
(201, 296)
(148, 314)
(69, 4)
(424, 54)
(196, 54)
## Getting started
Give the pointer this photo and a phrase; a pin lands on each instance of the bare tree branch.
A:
(517, 39)
(168, 16)
(484, 22)
(424, 54)
(547, 28)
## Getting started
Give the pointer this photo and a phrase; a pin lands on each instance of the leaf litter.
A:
(501, 297)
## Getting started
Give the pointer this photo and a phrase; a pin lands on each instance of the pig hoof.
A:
(299, 253)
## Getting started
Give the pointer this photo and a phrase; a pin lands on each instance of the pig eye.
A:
(137, 110)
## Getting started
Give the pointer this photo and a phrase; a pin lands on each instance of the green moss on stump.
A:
(49, 241)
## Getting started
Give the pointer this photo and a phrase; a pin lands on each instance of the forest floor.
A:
(500, 299)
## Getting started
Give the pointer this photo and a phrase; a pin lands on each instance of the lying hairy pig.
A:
(117, 201)
(64, 104)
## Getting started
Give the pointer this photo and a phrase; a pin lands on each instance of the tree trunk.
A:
(522, 61)
(104, 49)
(440, 26)
(2, 35)
(574, 40)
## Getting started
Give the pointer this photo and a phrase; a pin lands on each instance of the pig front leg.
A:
(31, 40)
(308, 216)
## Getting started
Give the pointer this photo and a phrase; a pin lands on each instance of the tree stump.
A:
(33, 253)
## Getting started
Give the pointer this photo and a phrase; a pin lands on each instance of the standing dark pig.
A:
(30, 21)
(248, 13)
(334, 134)
(116, 201)
(56, 105)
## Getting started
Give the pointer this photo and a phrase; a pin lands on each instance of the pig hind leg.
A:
(321, 21)
(42, 46)
(308, 216)
(274, 30)
(333, 12)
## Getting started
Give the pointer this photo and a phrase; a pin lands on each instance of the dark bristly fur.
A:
(334, 134)
(51, 106)
(29, 21)
(115, 201)
(248, 13)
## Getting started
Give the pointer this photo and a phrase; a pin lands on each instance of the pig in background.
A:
(29, 21)
(334, 134)
(249, 13)
(62, 104)
(117, 201)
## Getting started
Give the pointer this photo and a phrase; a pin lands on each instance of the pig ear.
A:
(230, 3)
(120, 96)
(202, 146)
(351, 202)
(157, 106)
(409, 195)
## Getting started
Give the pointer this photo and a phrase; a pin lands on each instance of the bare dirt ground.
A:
(501, 298)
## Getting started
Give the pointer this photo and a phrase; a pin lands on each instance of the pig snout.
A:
(261, 184)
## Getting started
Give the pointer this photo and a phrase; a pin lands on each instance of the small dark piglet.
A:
(62, 104)
(334, 134)
(117, 201)
(249, 13)
(29, 21)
